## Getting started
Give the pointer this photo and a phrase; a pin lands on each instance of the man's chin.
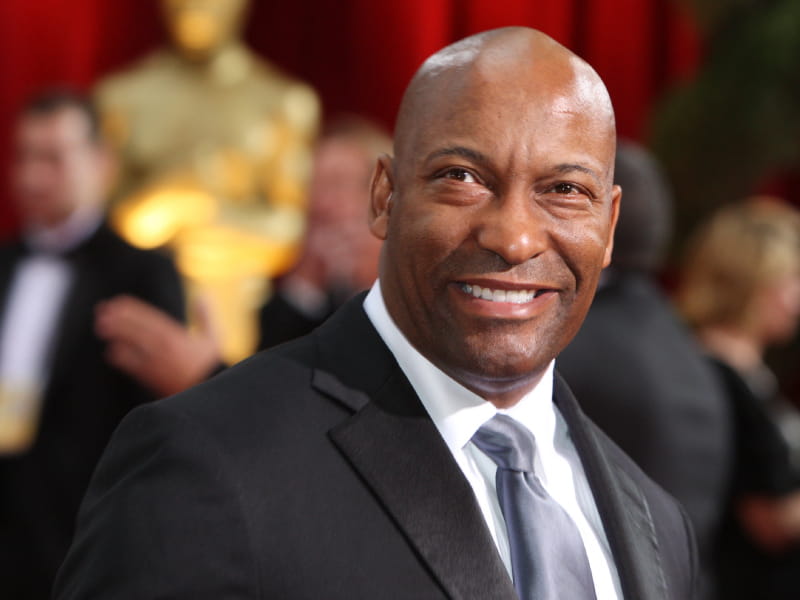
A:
(496, 368)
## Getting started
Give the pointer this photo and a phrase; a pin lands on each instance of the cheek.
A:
(583, 249)
(792, 298)
(783, 298)
(789, 303)
(422, 240)
(778, 310)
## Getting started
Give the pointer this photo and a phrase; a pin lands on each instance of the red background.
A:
(359, 54)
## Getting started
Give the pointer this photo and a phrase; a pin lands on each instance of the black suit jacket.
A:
(313, 471)
(638, 373)
(84, 401)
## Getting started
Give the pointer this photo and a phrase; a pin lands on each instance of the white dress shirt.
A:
(38, 287)
(36, 294)
(458, 413)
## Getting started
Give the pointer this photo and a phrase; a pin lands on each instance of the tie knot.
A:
(508, 443)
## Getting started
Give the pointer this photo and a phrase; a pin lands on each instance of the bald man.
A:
(379, 457)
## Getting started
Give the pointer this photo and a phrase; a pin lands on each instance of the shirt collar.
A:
(456, 411)
(67, 235)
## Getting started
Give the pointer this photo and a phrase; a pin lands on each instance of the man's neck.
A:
(503, 393)
(65, 235)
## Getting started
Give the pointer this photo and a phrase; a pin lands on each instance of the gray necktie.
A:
(548, 558)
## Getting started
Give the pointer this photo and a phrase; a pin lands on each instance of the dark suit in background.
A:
(313, 471)
(641, 378)
(83, 402)
(745, 569)
(638, 372)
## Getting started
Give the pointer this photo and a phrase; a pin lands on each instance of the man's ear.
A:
(380, 205)
(616, 196)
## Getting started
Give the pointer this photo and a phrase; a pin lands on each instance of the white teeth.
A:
(512, 296)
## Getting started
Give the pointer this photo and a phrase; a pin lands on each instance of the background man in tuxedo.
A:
(360, 461)
(59, 399)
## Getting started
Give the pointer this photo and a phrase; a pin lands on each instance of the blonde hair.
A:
(744, 247)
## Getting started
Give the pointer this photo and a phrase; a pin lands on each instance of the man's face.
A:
(339, 189)
(499, 222)
(337, 220)
(57, 167)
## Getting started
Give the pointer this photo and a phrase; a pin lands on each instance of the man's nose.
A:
(513, 228)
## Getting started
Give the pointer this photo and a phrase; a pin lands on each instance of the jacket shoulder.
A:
(259, 401)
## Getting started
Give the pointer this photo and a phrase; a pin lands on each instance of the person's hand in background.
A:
(155, 349)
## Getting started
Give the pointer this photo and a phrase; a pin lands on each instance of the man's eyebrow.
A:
(461, 151)
(567, 167)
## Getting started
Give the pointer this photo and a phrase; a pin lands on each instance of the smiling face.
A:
(498, 214)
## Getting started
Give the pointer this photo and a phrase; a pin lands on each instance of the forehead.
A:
(63, 126)
(335, 151)
(520, 106)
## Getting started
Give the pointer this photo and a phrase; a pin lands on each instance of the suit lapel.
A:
(10, 256)
(395, 447)
(76, 317)
(622, 506)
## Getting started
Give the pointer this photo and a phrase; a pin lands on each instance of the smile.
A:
(510, 296)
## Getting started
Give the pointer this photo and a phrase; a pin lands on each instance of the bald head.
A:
(514, 62)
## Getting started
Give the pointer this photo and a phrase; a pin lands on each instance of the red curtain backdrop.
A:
(359, 54)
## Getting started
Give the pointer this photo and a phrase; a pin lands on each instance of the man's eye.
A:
(460, 175)
(567, 188)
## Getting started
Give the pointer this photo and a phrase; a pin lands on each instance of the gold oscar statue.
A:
(214, 146)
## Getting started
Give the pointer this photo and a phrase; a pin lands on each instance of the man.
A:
(59, 399)
(340, 256)
(653, 392)
(359, 461)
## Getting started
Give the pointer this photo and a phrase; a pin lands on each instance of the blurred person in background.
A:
(340, 256)
(339, 259)
(638, 371)
(741, 294)
(59, 398)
